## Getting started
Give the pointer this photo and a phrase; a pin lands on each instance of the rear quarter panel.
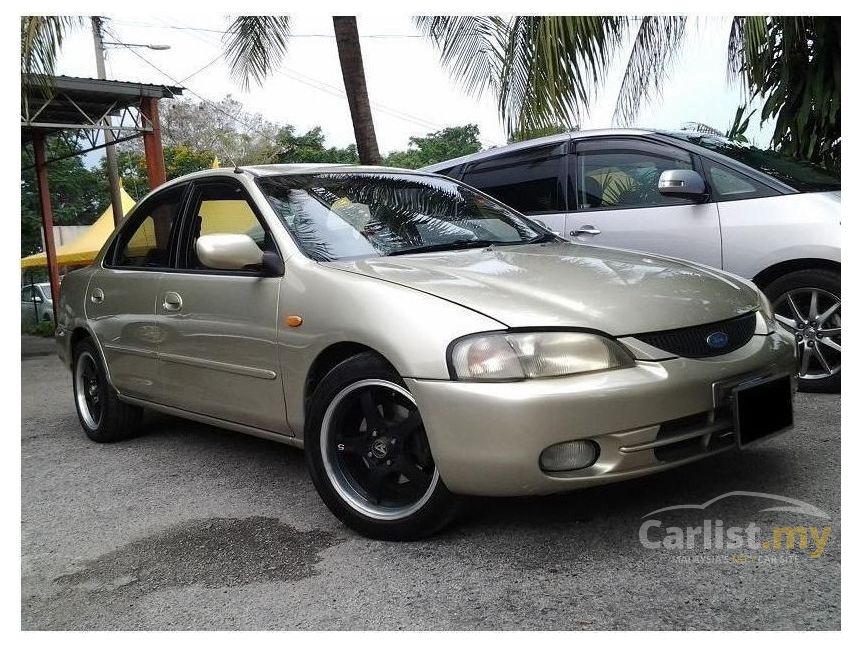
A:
(759, 233)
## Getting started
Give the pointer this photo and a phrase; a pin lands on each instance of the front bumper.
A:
(487, 438)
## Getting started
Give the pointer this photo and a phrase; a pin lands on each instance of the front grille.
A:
(691, 342)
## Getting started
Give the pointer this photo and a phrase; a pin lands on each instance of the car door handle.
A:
(588, 229)
(97, 296)
(172, 301)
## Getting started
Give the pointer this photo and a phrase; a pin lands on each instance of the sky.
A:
(411, 94)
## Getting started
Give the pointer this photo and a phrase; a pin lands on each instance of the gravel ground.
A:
(192, 527)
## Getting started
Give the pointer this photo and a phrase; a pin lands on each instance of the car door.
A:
(121, 295)
(218, 350)
(531, 180)
(614, 189)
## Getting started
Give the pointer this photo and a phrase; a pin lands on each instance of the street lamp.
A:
(156, 47)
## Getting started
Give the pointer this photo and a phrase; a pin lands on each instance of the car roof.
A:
(524, 145)
(268, 170)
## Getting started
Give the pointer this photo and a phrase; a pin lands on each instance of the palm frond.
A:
(656, 44)
(542, 69)
(41, 40)
(470, 47)
(255, 47)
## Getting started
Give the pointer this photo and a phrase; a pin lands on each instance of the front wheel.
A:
(808, 304)
(369, 457)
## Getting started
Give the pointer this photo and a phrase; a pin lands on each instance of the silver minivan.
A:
(755, 213)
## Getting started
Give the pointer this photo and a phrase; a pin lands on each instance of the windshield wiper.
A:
(446, 246)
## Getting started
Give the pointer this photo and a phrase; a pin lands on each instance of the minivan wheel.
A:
(808, 304)
(368, 454)
(103, 416)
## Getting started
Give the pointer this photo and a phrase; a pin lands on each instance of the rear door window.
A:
(145, 242)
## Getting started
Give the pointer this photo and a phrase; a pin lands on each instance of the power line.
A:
(224, 31)
(212, 104)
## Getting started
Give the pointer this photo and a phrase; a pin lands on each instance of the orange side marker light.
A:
(293, 321)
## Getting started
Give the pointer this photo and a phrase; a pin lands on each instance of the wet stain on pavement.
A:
(214, 552)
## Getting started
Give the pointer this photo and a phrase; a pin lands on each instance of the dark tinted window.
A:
(529, 181)
(145, 242)
(800, 175)
(454, 171)
(727, 185)
(625, 173)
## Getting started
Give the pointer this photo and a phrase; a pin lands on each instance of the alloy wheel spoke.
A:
(813, 305)
(371, 411)
(794, 310)
(376, 477)
(828, 313)
(820, 357)
(832, 344)
(789, 323)
(404, 428)
(413, 473)
(804, 361)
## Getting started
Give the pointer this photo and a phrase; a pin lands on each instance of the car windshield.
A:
(344, 215)
(800, 175)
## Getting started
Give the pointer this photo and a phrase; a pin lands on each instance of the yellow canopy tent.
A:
(83, 250)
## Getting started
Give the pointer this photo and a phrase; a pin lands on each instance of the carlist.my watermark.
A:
(723, 541)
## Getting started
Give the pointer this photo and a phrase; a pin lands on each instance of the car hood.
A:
(570, 285)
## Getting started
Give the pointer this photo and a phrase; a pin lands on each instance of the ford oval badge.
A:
(717, 340)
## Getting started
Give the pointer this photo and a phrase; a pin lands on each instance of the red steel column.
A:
(152, 143)
(47, 217)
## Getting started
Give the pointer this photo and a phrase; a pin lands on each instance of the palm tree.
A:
(545, 70)
(255, 47)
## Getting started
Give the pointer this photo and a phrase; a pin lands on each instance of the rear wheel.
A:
(103, 416)
(808, 304)
(369, 457)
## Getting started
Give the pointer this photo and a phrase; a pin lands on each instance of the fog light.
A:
(571, 455)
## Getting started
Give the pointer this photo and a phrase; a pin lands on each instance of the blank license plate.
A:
(762, 408)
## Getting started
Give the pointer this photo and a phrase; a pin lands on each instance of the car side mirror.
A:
(228, 251)
(37, 299)
(687, 184)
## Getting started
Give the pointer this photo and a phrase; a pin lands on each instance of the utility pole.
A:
(110, 148)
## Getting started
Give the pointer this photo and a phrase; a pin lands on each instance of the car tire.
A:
(818, 337)
(357, 413)
(103, 416)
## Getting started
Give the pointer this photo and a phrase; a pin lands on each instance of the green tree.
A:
(536, 133)
(437, 146)
(78, 194)
(179, 160)
(310, 148)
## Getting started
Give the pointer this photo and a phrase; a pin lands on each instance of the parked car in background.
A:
(419, 339)
(36, 304)
(702, 198)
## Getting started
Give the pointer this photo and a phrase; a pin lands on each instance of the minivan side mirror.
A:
(687, 184)
(37, 299)
(229, 251)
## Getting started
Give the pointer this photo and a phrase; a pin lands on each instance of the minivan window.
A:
(145, 243)
(338, 216)
(800, 175)
(625, 174)
(527, 180)
(728, 185)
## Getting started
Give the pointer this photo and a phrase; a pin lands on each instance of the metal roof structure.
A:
(80, 108)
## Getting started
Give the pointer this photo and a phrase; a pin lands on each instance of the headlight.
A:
(522, 355)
